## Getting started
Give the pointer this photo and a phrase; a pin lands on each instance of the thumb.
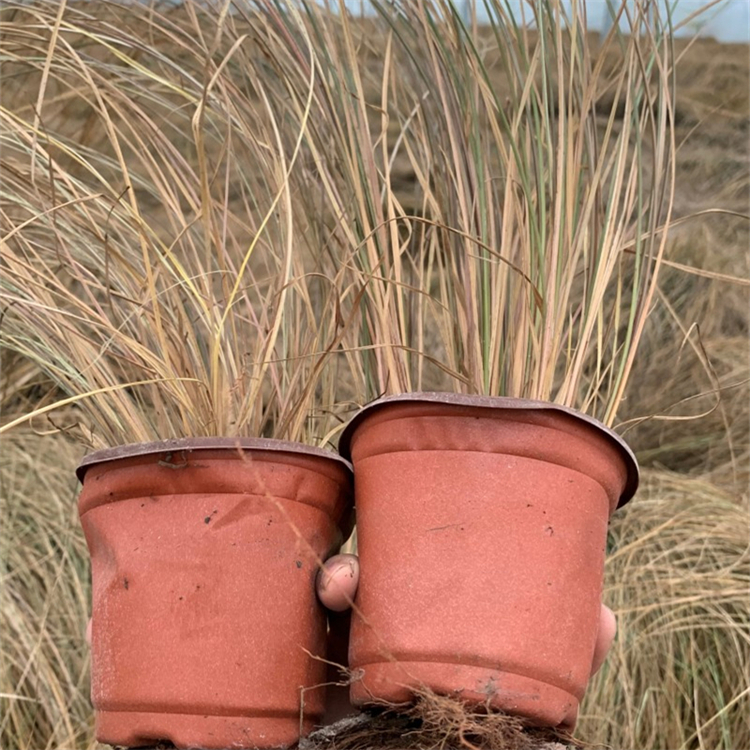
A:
(604, 638)
(337, 582)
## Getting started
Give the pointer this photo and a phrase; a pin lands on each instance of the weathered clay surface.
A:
(481, 535)
(205, 620)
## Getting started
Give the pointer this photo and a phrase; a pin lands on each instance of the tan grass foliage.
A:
(532, 265)
(115, 107)
(171, 322)
(44, 599)
(677, 578)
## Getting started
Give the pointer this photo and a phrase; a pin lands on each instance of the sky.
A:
(729, 21)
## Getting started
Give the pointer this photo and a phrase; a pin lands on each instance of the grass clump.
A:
(204, 317)
(677, 577)
(44, 599)
(531, 262)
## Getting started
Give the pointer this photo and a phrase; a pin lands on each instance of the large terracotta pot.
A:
(482, 526)
(205, 621)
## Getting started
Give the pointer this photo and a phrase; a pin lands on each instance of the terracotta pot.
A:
(205, 621)
(482, 526)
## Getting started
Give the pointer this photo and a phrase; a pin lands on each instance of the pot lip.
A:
(205, 443)
(496, 402)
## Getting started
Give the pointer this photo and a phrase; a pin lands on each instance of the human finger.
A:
(337, 582)
(604, 638)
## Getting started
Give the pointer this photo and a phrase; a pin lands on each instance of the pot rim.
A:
(268, 445)
(497, 402)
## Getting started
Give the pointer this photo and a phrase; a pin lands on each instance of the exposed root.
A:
(437, 722)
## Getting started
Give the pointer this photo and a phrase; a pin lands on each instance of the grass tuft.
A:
(156, 264)
(677, 577)
(44, 599)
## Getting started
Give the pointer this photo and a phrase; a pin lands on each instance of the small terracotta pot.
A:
(482, 526)
(205, 620)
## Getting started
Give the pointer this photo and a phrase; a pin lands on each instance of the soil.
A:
(438, 723)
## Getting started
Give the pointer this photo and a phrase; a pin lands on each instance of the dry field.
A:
(678, 573)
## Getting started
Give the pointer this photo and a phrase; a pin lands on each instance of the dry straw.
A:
(677, 578)
(143, 149)
(155, 261)
(531, 262)
(44, 599)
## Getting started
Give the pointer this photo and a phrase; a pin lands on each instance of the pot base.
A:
(394, 682)
(138, 729)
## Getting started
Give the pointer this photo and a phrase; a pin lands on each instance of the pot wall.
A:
(203, 568)
(481, 536)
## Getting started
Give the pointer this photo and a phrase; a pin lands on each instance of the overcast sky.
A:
(729, 21)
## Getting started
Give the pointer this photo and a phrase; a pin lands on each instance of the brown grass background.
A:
(678, 575)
